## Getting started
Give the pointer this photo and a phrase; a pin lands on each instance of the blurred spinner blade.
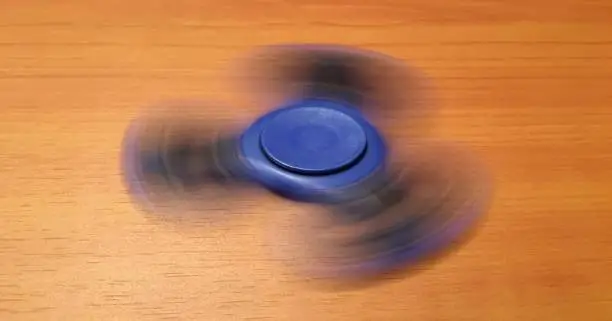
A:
(409, 212)
(176, 161)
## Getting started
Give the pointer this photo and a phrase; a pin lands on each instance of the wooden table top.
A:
(525, 83)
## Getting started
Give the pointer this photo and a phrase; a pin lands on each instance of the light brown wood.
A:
(525, 83)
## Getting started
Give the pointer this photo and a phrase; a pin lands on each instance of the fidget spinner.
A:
(318, 144)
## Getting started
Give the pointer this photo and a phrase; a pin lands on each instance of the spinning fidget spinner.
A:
(318, 145)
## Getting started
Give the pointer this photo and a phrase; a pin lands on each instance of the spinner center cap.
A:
(313, 140)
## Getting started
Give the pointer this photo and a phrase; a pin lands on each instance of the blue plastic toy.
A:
(319, 145)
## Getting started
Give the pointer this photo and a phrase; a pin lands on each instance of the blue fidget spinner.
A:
(318, 145)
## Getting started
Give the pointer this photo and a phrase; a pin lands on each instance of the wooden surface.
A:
(525, 83)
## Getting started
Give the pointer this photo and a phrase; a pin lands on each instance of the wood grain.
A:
(525, 83)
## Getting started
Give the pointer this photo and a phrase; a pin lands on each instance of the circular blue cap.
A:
(313, 140)
(312, 150)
